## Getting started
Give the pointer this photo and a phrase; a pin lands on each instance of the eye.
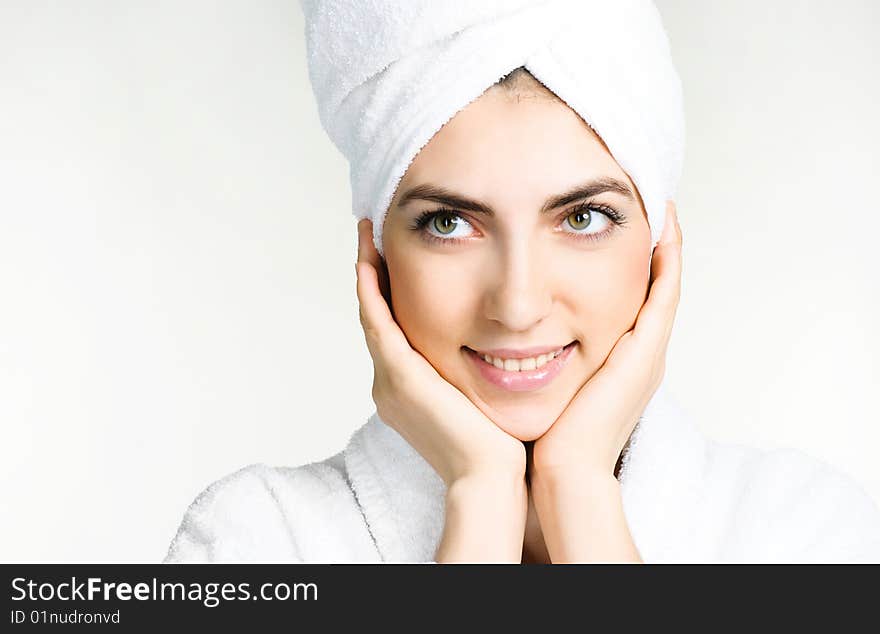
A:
(591, 221)
(584, 218)
(444, 223)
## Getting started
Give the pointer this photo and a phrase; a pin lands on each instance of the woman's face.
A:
(516, 276)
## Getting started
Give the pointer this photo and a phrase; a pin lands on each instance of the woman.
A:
(517, 299)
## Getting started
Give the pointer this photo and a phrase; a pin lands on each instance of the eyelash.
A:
(617, 219)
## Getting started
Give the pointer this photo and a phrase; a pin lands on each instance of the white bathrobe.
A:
(687, 498)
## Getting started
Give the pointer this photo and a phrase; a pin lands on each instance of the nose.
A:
(518, 294)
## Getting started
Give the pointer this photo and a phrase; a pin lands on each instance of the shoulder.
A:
(268, 513)
(787, 505)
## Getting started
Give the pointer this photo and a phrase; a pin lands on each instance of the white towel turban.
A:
(387, 74)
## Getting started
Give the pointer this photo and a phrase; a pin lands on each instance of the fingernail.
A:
(666, 236)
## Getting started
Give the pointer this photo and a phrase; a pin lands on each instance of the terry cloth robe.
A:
(687, 498)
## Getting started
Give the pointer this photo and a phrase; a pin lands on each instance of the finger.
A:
(365, 236)
(382, 332)
(655, 319)
(372, 313)
(367, 252)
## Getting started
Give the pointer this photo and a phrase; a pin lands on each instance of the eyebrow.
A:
(443, 196)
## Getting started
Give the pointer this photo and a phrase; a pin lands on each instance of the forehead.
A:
(531, 143)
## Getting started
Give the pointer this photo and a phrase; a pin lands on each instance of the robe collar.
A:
(403, 498)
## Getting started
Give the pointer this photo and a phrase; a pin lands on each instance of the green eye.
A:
(580, 223)
(443, 224)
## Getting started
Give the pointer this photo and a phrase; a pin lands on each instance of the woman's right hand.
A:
(435, 417)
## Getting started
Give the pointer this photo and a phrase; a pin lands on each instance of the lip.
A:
(526, 380)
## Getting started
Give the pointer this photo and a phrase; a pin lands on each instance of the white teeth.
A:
(518, 365)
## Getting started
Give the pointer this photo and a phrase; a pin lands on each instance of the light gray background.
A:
(177, 249)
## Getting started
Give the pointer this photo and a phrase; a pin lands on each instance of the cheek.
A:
(428, 302)
(609, 299)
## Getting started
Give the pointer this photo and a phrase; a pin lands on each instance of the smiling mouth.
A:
(521, 375)
(516, 364)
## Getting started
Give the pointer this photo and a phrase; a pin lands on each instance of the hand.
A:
(591, 432)
(436, 418)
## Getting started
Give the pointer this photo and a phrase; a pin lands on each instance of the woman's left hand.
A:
(578, 501)
(591, 433)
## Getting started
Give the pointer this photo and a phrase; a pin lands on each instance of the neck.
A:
(534, 549)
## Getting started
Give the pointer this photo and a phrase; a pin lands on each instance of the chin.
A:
(524, 430)
(525, 422)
